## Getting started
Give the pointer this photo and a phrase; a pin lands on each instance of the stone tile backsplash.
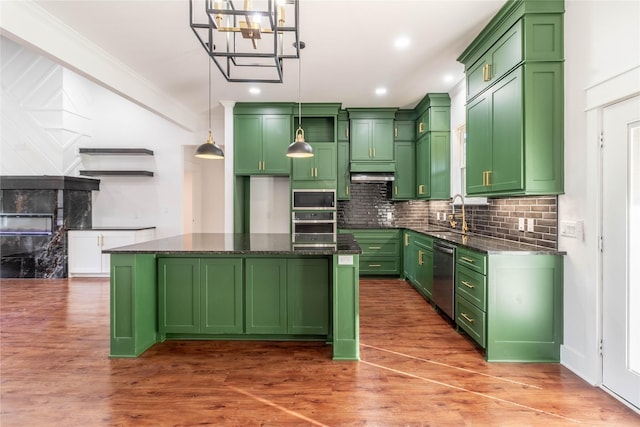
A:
(371, 207)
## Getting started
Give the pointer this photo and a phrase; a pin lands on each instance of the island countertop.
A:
(229, 244)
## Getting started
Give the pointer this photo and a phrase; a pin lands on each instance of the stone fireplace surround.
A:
(66, 199)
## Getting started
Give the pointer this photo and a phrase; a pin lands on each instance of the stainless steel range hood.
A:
(372, 177)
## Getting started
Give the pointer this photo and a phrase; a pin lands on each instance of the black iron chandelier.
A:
(247, 44)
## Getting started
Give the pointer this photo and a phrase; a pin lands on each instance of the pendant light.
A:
(210, 150)
(299, 148)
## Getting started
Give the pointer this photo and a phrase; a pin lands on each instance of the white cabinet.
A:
(86, 246)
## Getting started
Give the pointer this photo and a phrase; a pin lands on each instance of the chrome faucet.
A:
(453, 216)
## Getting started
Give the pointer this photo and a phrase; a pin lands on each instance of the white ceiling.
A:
(349, 48)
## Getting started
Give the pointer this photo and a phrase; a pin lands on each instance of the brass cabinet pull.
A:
(421, 127)
(486, 181)
(464, 258)
(406, 240)
(374, 247)
(375, 265)
(395, 133)
(467, 284)
(488, 178)
(347, 132)
(347, 190)
(467, 318)
(396, 189)
(421, 189)
(486, 72)
(420, 262)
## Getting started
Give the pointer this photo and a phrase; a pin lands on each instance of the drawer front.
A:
(472, 320)
(374, 266)
(424, 242)
(473, 286)
(377, 247)
(476, 261)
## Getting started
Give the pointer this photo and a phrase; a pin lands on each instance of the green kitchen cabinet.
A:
(371, 138)
(510, 304)
(260, 144)
(221, 296)
(322, 166)
(380, 251)
(515, 101)
(200, 296)
(423, 167)
(343, 126)
(179, 295)
(266, 296)
(344, 176)
(404, 130)
(405, 176)
(440, 168)
(308, 296)
(410, 256)
(424, 269)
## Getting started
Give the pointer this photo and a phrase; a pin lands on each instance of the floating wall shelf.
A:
(115, 173)
(116, 151)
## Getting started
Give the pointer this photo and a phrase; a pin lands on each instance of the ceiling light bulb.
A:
(254, 90)
(381, 91)
(402, 43)
(448, 78)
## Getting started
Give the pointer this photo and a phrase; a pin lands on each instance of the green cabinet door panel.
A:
(222, 296)
(247, 134)
(260, 144)
(179, 295)
(308, 296)
(372, 140)
(410, 256)
(321, 167)
(343, 172)
(440, 166)
(404, 130)
(343, 129)
(424, 270)
(361, 137)
(478, 160)
(423, 168)
(405, 176)
(266, 296)
(277, 136)
(382, 140)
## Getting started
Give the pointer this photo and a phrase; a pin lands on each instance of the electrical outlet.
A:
(438, 216)
(530, 224)
(520, 224)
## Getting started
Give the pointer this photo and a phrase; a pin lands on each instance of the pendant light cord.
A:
(209, 93)
(299, 86)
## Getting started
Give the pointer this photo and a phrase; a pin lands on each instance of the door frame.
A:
(598, 97)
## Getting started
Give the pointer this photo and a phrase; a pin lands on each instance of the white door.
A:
(621, 250)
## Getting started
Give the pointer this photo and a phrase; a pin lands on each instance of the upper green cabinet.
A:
(262, 133)
(515, 101)
(405, 156)
(371, 138)
(433, 151)
(322, 166)
(344, 176)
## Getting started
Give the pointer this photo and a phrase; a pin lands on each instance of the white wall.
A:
(602, 40)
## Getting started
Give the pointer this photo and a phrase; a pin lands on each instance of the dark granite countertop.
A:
(486, 244)
(229, 244)
(114, 228)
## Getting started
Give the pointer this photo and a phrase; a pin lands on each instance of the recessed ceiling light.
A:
(381, 91)
(254, 90)
(402, 42)
(448, 78)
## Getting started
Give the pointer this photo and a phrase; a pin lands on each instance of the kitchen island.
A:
(234, 287)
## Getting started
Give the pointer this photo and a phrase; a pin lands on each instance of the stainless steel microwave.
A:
(319, 199)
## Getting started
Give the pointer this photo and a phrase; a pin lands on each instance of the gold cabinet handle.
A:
(488, 178)
(464, 258)
(395, 132)
(486, 72)
(421, 127)
(467, 318)
(420, 262)
(347, 132)
(347, 190)
(467, 284)
(421, 189)
(375, 265)
(374, 247)
(406, 240)
(395, 189)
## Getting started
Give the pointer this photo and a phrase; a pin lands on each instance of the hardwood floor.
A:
(415, 371)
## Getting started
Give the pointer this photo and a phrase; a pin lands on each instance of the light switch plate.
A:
(530, 224)
(520, 224)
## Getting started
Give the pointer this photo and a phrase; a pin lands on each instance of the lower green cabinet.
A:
(287, 296)
(266, 286)
(380, 251)
(424, 269)
(307, 296)
(200, 295)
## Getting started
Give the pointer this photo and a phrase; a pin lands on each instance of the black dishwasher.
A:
(443, 277)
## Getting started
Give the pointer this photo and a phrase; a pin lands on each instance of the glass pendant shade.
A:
(299, 148)
(210, 150)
